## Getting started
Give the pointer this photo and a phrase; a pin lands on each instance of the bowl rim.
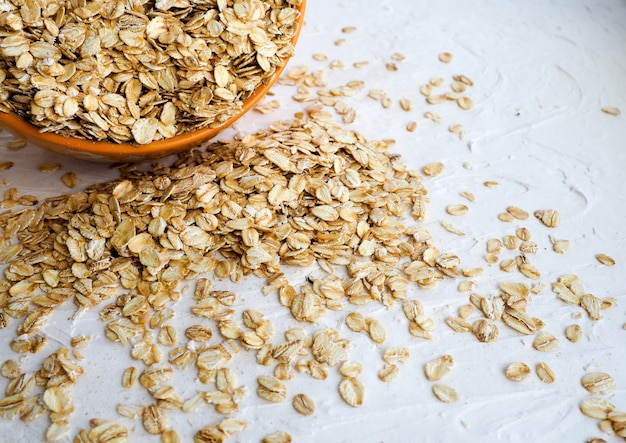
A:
(172, 145)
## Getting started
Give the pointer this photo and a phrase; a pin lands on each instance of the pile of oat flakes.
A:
(306, 192)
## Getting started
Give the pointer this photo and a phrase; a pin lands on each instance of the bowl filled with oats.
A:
(129, 80)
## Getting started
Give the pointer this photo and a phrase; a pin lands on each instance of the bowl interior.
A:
(108, 151)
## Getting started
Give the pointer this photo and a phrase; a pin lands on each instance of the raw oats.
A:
(304, 404)
(4, 165)
(11, 370)
(356, 322)
(438, 368)
(375, 330)
(432, 116)
(611, 110)
(485, 331)
(518, 213)
(529, 270)
(433, 169)
(465, 103)
(270, 388)
(16, 144)
(395, 355)
(457, 210)
(517, 371)
(605, 259)
(574, 333)
(549, 217)
(457, 128)
(446, 394)
(154, 419)
(389, 373)
(70, 179)
(519, 321)
(545, 373)
(437, 81)
(598, 383)
(468, 195)
(426, 90)
(351, 391)
(209, 64)
(466, 286)
(546, 342)
(459, 324)
(406, 104)
(278, 437)
(50, 166)
(505, 217)
(451, 229)
(596, 408)
(560, 246)
(445, 57)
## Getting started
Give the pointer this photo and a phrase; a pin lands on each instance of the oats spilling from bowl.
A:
(109, 71)
(237, 208)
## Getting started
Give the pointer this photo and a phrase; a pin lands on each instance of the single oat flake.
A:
(605, 259)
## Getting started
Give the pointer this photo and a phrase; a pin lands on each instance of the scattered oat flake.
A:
(406, 104)
(463, 79)
(468, 195)
(70, 179)
(433, 169)
(573, 333)
(605, 259)
(16, 144)
(433, 116)
(546, 342)
(560, 246)
(518, 213)
(611, 110)
(426, 90)
(505, 217)
(465, 103)
(4, 165)
(411, 126)
(491, 184)
(348, 29)
(50, 166)
(457, 128)
(437, 81)
(545, 373)
(320, 57)
(549, 217)
(278, 437)
(438, 368)
(517, 371)
(599, 383)
(457, 210)
(451, 229)
(351, 391)
(446, 394)
(445, 57)
(391, 67)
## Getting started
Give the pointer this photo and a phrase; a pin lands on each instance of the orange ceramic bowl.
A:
(126, 152)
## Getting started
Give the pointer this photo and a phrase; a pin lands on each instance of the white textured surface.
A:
(542, 72)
